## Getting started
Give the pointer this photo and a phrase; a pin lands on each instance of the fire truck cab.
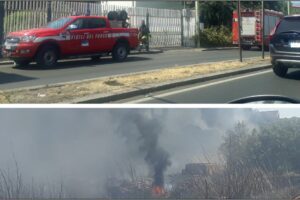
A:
(73, 36)
(251, 27)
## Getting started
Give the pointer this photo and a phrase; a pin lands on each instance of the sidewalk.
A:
(196, 49)
(5, 61)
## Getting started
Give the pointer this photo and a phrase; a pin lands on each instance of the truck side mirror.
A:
(72, 27)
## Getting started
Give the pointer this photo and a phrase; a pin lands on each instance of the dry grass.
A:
(118, 84)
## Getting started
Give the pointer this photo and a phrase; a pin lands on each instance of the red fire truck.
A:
(251, 27)
(73, 36)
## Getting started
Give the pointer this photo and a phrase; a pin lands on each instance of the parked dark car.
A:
(285, 45)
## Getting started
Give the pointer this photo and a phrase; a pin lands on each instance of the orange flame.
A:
(158, 191)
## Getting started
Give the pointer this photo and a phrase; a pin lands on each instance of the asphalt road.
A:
(11, 77)
(228, 89)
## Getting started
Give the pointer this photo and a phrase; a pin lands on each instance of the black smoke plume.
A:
(147, 129)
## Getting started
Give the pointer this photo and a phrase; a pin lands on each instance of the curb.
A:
(151, 51)
(170, 85)
(219, 48)
(199, 49)
(6, 62)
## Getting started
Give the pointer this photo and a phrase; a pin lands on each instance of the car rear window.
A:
(90, 23)
(96, 23)
(289, 24)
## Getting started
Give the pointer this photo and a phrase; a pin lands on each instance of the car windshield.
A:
(59, 23)
(288, 25)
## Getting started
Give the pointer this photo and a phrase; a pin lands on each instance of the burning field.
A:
(158, 192)
(147, 130)
(149, 154)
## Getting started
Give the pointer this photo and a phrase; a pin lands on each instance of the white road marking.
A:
(196, 87)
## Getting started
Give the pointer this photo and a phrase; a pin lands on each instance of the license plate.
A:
(295, 44)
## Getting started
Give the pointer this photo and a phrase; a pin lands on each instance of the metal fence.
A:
(169, 28)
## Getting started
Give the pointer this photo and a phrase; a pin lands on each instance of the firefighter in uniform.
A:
(144, 36)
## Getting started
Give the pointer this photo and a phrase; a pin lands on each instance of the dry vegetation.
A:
(118, 84)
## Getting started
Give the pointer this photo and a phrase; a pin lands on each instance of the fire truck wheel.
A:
(47, 56)
(280, 70)
(21, 63)
(120, 52)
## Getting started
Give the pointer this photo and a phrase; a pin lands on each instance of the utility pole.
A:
(288, 7)
(49, 11)
(1, 25)
(181, 28)
(197, 5)
(148, 25)
(88, 9)
(262, 29)
(240, 31)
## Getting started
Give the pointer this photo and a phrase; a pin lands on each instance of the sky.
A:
(84, 147)
(296, 3)
(286, 113)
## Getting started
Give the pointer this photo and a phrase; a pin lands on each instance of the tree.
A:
(262, 161)
(217, 13)
(234, 143)
(273, 147)
(272, 5)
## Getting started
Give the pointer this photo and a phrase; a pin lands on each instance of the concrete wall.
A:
(161, 5)
(120, 3)
(147, 4)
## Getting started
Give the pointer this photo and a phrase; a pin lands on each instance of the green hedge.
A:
(215, 37)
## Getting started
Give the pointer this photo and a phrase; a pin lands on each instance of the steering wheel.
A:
(265, 99)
